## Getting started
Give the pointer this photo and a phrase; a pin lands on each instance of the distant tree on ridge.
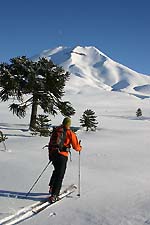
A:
(139, 112)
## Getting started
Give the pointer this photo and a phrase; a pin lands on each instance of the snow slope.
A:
(89, 66)
(115, 184)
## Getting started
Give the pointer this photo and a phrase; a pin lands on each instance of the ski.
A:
(34, 209)
(20, 212)
(66, 192)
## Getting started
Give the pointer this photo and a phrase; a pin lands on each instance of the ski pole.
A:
(4, 145)
(79, 175)
(38, 178)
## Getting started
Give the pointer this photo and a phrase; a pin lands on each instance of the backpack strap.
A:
(62, 147)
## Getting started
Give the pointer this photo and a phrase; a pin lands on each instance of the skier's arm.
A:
(75, 143)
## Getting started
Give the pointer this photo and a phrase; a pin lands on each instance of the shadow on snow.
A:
(22, 195)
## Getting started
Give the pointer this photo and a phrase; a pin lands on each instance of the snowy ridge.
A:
(90, 67)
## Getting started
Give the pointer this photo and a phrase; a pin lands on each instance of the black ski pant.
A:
(60, 164)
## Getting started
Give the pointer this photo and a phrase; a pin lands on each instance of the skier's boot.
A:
(53, 199)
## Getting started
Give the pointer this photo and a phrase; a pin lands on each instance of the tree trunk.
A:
(33, 114)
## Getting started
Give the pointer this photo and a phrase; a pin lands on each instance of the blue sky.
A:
(119, 28)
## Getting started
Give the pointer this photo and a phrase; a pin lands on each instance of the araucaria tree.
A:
(139, 112)
(34, 84)
(42, 125)
(3, 139)
(88, 120)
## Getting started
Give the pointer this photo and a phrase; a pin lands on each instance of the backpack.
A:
(57, 140)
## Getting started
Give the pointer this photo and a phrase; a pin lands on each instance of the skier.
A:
(60, 142)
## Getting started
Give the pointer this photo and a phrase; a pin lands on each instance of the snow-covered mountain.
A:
(115, 184)
(90, 67)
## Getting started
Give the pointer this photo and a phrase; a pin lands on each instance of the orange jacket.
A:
(71, 140)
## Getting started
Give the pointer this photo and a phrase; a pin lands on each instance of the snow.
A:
(115, 184)
(114, 164)
(97, 70)
(144, 89)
